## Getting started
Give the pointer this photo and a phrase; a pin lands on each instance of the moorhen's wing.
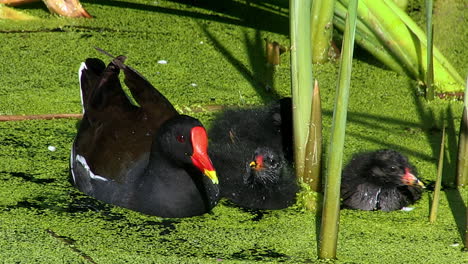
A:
(101, 89)
(115, 136)
(150, 99)
(89, 75)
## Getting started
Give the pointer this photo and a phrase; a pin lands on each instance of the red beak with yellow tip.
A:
(257, 164)
(411, 180)
(200, 157)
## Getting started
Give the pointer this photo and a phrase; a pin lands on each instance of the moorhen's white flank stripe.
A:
(93, 176)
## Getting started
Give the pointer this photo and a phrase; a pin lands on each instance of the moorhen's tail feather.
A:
(101, 88)
(144, 93)
(148, 97)
(89, 75)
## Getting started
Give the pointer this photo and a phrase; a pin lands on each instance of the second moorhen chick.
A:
(251, 150)
(147, 158)
(380, 180)
(261, 180)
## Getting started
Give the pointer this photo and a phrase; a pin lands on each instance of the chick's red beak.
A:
(200, 158)
(257, 164)
(411, 180)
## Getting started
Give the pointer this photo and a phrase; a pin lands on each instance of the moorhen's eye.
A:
(181, 138)
(393, 168)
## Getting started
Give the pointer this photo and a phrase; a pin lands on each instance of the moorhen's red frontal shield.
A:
(200, 157)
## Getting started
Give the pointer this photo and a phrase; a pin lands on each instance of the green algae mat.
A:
(214, 54)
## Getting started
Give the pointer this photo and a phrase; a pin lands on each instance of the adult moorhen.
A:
(252, 151)
(147, 158)
(380, 180)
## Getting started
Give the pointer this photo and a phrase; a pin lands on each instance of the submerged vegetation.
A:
(221, 62)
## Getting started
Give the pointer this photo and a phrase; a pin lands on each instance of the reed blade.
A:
(331, 208)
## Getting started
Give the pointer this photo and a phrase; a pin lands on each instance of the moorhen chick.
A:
(147, 158)
(252, 151)
(261, 180)
(380, 180)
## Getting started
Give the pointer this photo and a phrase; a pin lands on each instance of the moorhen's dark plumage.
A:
(251, 150)
(147, 158)
(380, 180)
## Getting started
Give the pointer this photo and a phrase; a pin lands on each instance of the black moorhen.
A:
(147, 158)
(380, 180)
(252, 152)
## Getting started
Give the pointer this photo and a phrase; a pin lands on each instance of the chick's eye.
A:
(393, 168)
(180, 138)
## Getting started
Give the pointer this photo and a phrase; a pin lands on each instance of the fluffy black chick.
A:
(251, 151)
(262, 179)
(380, 180)
(266, 126)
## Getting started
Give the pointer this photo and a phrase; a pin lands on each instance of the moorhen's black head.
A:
(389, 168)
(184, 140)
(265, 168)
